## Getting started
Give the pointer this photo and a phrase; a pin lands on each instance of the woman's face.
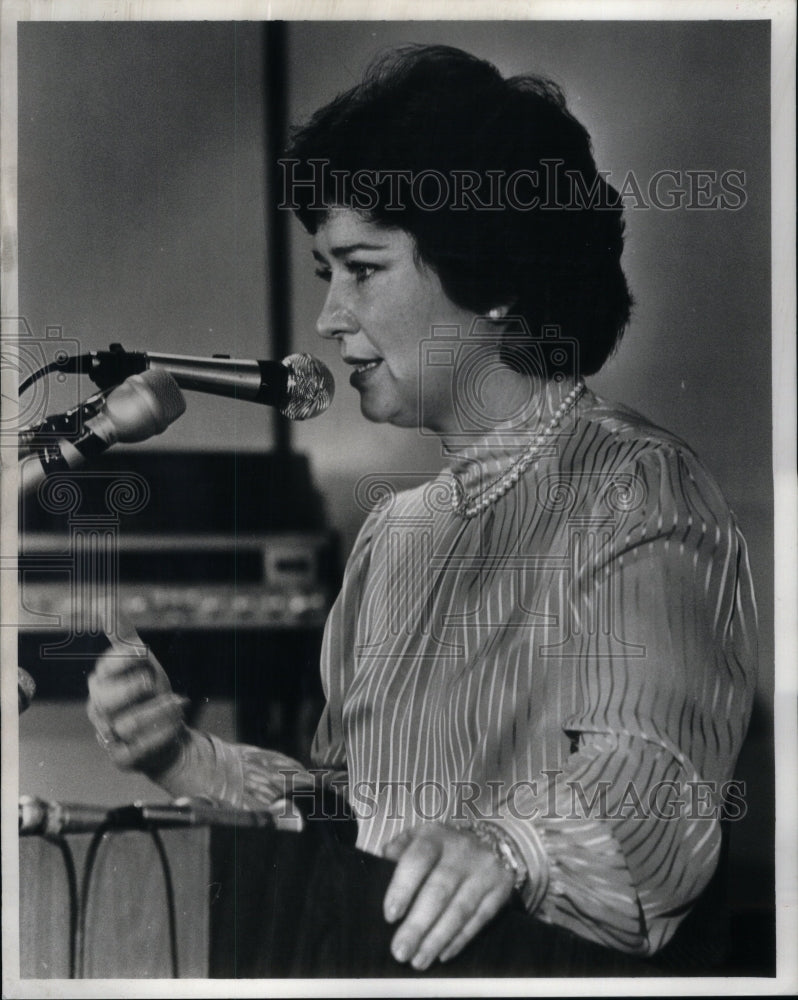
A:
(380, 306)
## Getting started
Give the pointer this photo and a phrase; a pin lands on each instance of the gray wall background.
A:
(141, 219)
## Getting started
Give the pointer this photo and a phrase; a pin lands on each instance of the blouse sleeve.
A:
(233, 774)
(622, 840)
(328, 750)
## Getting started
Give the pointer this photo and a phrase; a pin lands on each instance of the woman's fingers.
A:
(126, 683)
(138, 719)
(394, 849)
(447, 885)
(114, 661)
(101, 724)
(144, 732)
(486, 910)
(127, 645)
(416, 862)
(157, 715)
(125, 675)
(124, 637)
(441, 904)
(467, 912)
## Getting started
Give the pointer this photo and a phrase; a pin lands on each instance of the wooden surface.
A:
(125, 907)
(43, 910)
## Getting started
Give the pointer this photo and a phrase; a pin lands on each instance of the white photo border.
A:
(782, 14)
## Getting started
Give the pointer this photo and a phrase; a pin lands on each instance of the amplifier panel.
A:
(149, 606)
(258, 581)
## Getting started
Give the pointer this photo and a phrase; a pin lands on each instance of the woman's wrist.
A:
(525, 837)
(192, 769)
(504, 848)
(171, 759)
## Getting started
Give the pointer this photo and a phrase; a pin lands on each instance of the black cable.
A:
(88, 871)
(171, 910)
(72, 883)
(28, 382)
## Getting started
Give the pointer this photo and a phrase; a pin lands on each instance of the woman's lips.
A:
(363, 371)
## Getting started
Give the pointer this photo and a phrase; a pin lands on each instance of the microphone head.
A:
(311, 387)
(144, 405)
(26, 689)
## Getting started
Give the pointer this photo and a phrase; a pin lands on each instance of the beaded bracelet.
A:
(503, 847)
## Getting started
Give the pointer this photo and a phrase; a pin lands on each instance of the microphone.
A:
(56, 819)
(300, 386)
(141, 407)
(40, 817)
(26, 689)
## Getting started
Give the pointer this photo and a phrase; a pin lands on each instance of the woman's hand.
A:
(447, 886)
(137, 716)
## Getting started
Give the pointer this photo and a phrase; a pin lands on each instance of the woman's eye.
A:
(362, 272)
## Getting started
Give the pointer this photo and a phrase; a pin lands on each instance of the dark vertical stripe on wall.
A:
(275, 83)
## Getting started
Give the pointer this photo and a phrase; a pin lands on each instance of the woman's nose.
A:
(335, 319)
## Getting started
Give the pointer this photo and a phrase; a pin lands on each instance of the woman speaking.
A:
(540, 667)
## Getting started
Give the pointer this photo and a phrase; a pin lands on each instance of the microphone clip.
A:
(68, 426)
(109, 368)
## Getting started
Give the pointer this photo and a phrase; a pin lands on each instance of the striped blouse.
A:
(576, 663)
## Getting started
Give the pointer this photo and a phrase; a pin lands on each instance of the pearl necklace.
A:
(467, 506)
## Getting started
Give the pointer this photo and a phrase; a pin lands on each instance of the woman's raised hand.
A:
(136, 715)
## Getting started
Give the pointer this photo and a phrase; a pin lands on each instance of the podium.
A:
(180, 891)
(136, 906)
(164, 894)
(189, 890)
(128, 892)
